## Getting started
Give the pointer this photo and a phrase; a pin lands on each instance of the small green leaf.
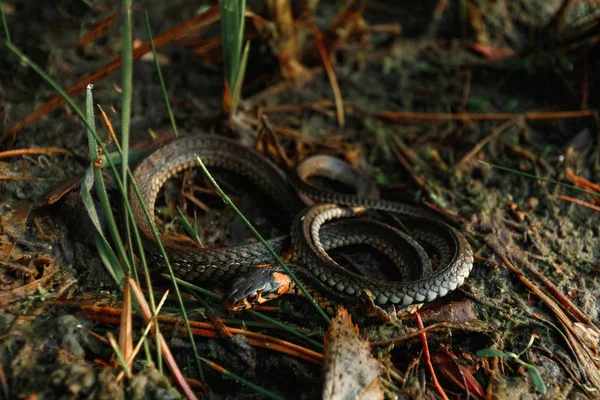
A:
(189, 229)
(387, 66)
(512, 105)
(438, 200)
(491, 353)
(381, 179)
(203, 9)
(478, 104)
(537, 379)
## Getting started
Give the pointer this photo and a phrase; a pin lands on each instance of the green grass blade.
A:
(6, 31)
(241, 380)
(90, 128)
(152, 323)
(192, 231)
(160, 77)
(528, 175)
(196, 291)
(86, 186)
(109, 258)
(126, 84)
(261, 239)
(237, 89)
(26, 60)
(163, 252)
(120, 356)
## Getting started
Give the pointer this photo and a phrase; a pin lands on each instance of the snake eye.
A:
(252, 297)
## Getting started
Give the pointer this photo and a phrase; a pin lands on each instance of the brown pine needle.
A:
(582, 182)
(576, 201)
(477, 148)
(97, 31)
(20, 178)
(192, 25)
(428, 357)
(109, 125)
(337, 94)
(138, 346)
(111, 316)
(166, 351)
(32, 151)
(532, 115)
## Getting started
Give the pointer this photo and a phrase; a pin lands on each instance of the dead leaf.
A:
(367, 307)
(491, 53)
(49, 269)
(349, 369)
(458, 374)
(584, 184)
(587, 335)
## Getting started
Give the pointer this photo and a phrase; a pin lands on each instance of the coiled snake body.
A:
(309, 240)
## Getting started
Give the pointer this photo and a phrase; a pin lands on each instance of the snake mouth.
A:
(235, 306)
(236, 300)
(251, 300)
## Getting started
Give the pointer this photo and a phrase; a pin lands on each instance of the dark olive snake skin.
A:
(310, 237)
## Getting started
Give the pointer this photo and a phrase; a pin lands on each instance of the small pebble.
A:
(532, 202)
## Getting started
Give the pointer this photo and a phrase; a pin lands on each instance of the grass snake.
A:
(312, 235)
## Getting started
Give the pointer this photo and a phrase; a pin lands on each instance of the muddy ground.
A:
(511, 66)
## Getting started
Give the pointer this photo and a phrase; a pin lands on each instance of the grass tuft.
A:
(232, 34)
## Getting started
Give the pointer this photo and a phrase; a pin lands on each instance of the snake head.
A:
(256, 287)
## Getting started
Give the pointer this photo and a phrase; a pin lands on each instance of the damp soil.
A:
(443, 63)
